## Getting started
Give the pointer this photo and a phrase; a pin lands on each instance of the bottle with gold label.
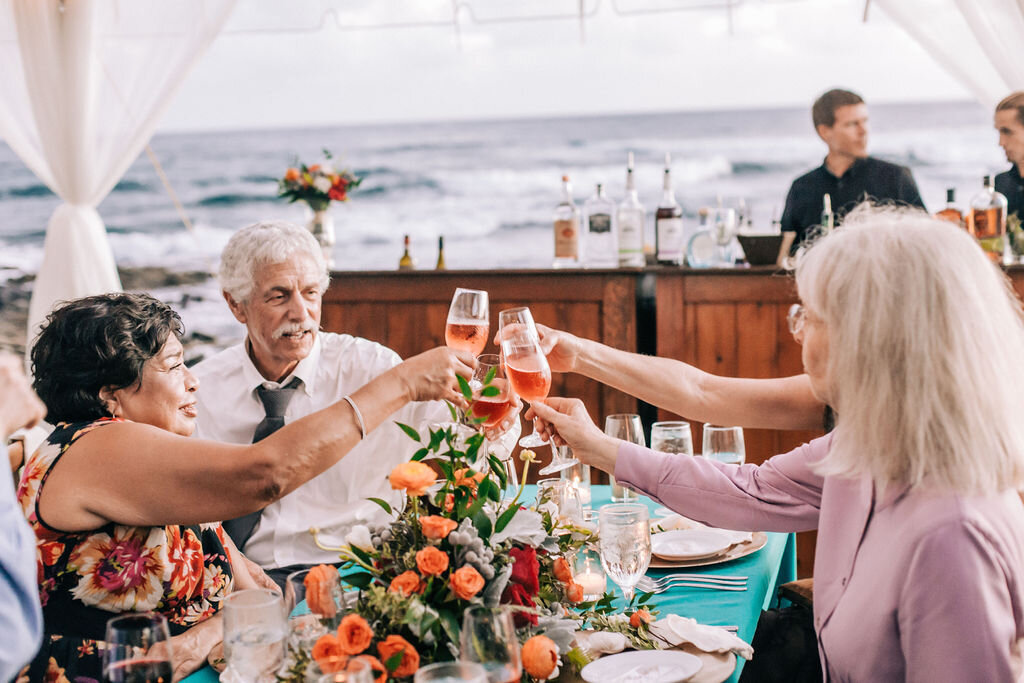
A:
(567, 229)
(986, 219)
(440, 254)
(406, 262)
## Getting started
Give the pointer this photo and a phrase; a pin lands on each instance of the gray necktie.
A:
(275, 404)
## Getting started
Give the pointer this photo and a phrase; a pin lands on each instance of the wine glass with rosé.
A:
(469, 321)
(528, 372)
(492, 400)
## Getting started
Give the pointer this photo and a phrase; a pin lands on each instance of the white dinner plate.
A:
(691, 544)
(642, 666)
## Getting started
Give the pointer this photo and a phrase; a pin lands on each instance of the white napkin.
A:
(676, 630)
(601, 642)
(674, 522)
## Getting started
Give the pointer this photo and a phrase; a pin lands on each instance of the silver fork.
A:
(647, 582)
(692, 584)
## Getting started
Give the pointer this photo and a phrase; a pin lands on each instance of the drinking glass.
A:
(354, 671)
(138, 649)
(588, 572)
(305, 626)
(625, 426)
(724, 444)
(672, 437)
(624, 533)
(578, 477)
(489, 638)
(495, 407)
(564, 495)
(254, 634)
(451, 672)
(468, 322)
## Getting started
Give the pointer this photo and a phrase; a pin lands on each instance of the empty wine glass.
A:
(488, 637)
(138, 649)
(311, 612)
(468, 322)
(627, 427)
(451, 672)
(565, 497)
(624, 536)
(354, 671)
(724, 444)
(254, 634)
(672, 437)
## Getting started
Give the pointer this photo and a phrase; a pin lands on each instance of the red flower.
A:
(336, 194)
(515, 594)
(525, 569)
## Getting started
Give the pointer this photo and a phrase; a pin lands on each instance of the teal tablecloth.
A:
(765, 570)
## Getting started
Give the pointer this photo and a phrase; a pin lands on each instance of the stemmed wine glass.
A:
(491, 405)
(468, 321)
(724, 444)
(672, 437)
(624, 536)
(138, 649)
(528, 372)
(489, 638)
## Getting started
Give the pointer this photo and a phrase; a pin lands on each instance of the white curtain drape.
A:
(82, 86)
(977, 41)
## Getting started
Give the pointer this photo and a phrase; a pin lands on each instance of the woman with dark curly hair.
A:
(124, 505)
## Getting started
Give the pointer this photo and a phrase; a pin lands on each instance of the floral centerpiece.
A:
(457, 544)
(317, 185)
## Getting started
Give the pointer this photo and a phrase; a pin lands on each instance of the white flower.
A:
(526, 526)
(359, 537)
(322, 183)
(549, 508)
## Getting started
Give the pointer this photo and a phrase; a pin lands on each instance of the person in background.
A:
(1009, 121)
(125, 505)
(848, 175)
(21, 621)
(273, 276)
(914, 494)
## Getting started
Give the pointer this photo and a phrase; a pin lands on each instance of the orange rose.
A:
(321, 582)
(354, 634)
(314, 168)
(469, 478)
(391, 646)
(376, 666)
(449, 502)
(431, 561)
(328, 655)
(413, 476)
(638, 617)
(562, 570)
(291, 175)
(407, 583)
(574, 592)
(436, 527)
(466, 582)
(540, 657)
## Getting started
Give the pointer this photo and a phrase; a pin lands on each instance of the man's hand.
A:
(19, 405)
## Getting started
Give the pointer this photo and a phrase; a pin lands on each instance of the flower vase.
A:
(322, 227)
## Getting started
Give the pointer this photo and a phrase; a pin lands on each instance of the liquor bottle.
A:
(668, 223)
(951, 213)
(601, 245)
(440, 254)
(406, 262)
(828, 219)
(986, 219)
(567, 229)
(631, 223)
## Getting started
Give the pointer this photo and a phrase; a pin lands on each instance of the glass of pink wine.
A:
(469, 322)
(492, 405)
(528, 372)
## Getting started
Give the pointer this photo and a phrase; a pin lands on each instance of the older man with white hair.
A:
(273, 276)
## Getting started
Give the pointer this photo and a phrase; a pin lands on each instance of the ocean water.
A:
(489, 187)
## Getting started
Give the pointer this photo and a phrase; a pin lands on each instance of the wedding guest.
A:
(21, 620)
(123, 503)
(1009, 121)
(848, 175)
(273, 276)
(920, 546)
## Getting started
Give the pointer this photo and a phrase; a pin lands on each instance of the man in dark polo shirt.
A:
(848, 174)
(1010, 124)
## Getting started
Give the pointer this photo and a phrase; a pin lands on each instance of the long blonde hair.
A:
(925, 353)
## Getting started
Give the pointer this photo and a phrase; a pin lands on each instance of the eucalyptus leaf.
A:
(464, 387)
(490, 391)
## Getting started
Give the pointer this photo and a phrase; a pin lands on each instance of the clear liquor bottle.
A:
(828, 219)
(630, 217)
(986, 220)
(567, 229)
(951, 213)
(668, 223)
(601, 245)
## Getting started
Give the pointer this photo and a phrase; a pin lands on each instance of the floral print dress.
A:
(87, 577)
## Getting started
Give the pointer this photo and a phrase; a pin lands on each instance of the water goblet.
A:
(625, 540)
(451, 672)
(468, 323)
(672, 437)
(724, 444)
(254, 634)
(488, 638)
(138, 649)
(627, 427)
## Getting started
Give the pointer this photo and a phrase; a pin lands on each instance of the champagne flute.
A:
(624, 533)
(724, 444)
(138, 649)
(672, 437)
(627, 427)
(254, 634)
(468, 321)
(488, 638)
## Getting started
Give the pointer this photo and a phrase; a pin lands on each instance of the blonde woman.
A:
(916, 340)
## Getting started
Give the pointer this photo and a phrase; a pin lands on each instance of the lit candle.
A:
(593, 583)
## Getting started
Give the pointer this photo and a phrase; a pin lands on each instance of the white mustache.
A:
(294, 328)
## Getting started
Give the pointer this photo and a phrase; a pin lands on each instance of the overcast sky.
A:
(781, 52)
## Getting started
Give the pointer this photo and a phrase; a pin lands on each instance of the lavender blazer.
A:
(908, 586)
